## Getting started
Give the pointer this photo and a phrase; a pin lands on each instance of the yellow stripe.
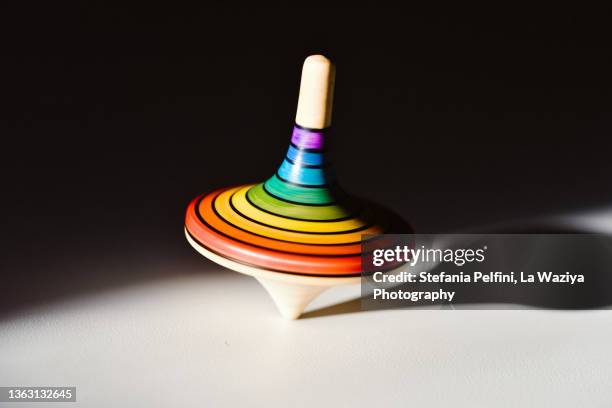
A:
(222, 205)
(240, 202)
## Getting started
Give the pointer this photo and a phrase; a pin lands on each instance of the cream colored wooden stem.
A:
(316, 93)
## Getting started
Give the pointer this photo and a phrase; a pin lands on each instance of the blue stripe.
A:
(302, 175)
(312, 159)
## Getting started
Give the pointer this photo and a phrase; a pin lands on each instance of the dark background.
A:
(114, 118)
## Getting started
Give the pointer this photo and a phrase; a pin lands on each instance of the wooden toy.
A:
(297, 233)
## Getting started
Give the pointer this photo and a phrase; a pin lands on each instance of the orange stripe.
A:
(217, 223)
(266, 258)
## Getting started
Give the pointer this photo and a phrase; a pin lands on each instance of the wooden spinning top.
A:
(297, 233)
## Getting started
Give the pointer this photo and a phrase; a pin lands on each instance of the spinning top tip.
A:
(316, 93)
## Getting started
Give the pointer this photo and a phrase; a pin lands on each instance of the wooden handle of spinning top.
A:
(316, 93)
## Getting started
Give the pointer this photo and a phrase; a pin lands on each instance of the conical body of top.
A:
(299, 220)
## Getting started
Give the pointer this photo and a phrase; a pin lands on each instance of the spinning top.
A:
(297, 233)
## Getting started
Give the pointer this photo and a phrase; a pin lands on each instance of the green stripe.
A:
(315, 213)
(305, 195)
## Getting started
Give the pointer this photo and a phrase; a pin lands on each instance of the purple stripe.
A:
(307, 139)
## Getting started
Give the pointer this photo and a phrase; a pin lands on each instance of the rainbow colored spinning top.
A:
(297, 233)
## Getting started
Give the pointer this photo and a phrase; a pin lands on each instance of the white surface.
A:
(215, 339)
